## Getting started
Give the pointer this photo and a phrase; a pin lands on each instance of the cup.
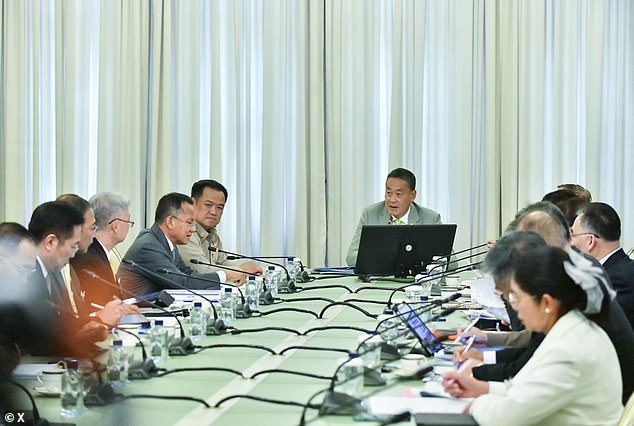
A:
(452, 280)
(51, 379)
(410, 363)
(413, 293)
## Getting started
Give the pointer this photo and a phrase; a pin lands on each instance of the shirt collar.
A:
(607, 256)
(42, 267)
(405, 218)
(169, 242)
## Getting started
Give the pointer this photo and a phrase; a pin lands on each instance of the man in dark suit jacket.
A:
(597, 231)
(155, 249)
(56, 230)
(550, 223)
(112, 219)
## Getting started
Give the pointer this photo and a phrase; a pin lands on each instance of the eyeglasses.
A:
(185, 221)
(131, 222)
(514, 299)
(583, 233)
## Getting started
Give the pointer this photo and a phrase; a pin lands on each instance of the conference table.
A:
(214, 386)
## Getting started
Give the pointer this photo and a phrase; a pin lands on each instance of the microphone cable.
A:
(292, 372)
(345, 303)
(258, 330)
(262, 399)
(335, 327)
(274, 311)
(320, 287)
(180, 370)
(235, 345)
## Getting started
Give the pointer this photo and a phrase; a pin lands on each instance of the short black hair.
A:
(75, 200)
(199, 187)
(577, 189)
(404, 174)
(54, 217)
(169, 205)
(601, 219)
(568, 201)
(12, 234)
(499, 261)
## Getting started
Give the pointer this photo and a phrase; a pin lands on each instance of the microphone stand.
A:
(291, 285)
(245, 312)
(268, 297)
(178, 346)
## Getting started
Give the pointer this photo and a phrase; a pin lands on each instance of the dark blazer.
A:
(151, 251)
(95, 260)
(620, 269)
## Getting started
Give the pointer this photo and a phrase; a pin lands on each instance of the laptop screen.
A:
(402, 250)
(418, 327)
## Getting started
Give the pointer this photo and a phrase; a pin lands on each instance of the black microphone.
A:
(218, 326)
(20, 415)
(178, 346)
(291, 285)
(303, 277)
(427, 278)
(245, 311)
(268, 298)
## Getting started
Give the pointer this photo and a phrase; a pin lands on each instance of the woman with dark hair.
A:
(573, 378)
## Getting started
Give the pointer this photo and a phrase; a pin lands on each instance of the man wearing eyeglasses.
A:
(112, 223)
(596, 231)
(154, 253)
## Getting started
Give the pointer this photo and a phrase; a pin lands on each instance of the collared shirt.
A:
(404, 219)
(607, 256)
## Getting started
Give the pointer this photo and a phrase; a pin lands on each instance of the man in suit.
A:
(109, 311)
(210, 198)
(550, 223)
(56, 230)
(155, 249)
(597, 231)
(397, 208)
(112, 220)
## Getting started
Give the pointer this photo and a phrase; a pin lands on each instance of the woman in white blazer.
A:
(573, 378)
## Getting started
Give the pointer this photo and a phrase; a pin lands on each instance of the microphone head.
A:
(162, 271)
(194, 261)
(454, 297)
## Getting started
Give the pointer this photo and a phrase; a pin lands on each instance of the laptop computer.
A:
(420, 330)
(402, 250)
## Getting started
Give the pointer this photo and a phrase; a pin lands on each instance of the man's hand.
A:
(462, 384)
(480, 336)
(236, 277)
(459, 355)
(113, 311)
(251, 268)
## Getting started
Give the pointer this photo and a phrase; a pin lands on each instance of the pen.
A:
(94, 305)
(461, 368)
(466, 349)
(470, 326)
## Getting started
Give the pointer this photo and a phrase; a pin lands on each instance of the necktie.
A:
(69, 289)
(398, 222)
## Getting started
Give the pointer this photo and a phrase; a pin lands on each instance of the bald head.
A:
(545, 219)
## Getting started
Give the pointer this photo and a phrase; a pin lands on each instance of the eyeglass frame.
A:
(130, 222)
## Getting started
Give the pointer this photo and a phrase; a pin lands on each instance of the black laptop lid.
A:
(402, 250)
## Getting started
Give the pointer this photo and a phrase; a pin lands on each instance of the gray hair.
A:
(500, 260)
(107, 206)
